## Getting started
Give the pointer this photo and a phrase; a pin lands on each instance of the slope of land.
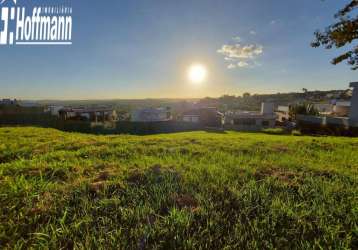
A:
(186, 190)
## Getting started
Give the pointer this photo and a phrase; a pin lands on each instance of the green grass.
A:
(194, 190)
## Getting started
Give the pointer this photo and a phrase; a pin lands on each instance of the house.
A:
(341, 108)
(209, 117)
(192, 116)
(323, 108)
(283, 113)
(252, 121)
(345, 114)
(88, 114)
(151, 115)
(54, 110)
(353, 115)
(8, 102)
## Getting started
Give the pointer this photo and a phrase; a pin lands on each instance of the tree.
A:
(302, 109)
(340, 34)
(246, 95)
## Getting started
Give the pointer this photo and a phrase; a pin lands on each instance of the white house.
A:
(88, 114)
(151, 115)
(252, 121)
(208, 116)
(283, 113)
(191, 116)
(54, 110)
(345, 113)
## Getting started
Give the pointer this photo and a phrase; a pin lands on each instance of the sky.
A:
(143, 48)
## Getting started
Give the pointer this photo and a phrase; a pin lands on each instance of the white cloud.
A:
(231, 66)
(229, 59)
(273, 22)
(252, 32)
(237, 51)
(241, 56)
(242, 64)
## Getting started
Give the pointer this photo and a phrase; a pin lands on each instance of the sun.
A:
(197, 73)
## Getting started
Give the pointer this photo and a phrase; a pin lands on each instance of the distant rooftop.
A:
(353, 85)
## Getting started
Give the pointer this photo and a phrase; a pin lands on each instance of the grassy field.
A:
(194, 190)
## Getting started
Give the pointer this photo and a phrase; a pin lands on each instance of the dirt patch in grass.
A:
(50, 174)
(8, 158)
(282, 175)
(185, 201)
(42, 204)
(96, 187)
(103, 176)
(316, 144)
(136, 177)
(156, 169)
(154, 174)
(323, 174)
(281, 149)
(194, 141)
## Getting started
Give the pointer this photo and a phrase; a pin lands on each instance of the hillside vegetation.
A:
(194, 190)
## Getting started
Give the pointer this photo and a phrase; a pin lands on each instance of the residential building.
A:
(151, 115)
(54, 109)
(88, 114)
(209, 117)
(345, 114)
(342, 108)
(8, 102)
(252, 121)
(323, 108)
(283, 113)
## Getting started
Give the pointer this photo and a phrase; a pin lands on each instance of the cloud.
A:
(229, 59)
(242, 64)
(231, 66)
(252, 32)
(237, 51)
(273, 22)
(240, 56)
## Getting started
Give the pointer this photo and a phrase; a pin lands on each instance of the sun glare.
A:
(197, 73)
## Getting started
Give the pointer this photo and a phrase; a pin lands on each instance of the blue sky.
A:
(138, 49)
